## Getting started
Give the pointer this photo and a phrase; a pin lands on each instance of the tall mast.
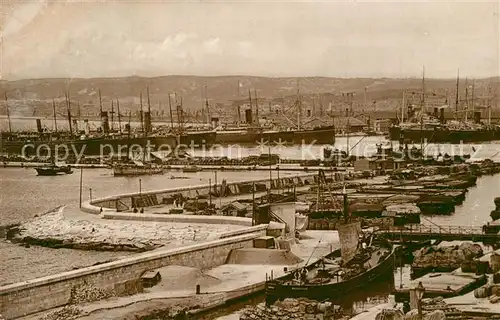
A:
(423, 91)
(207, 111)
(299, 107)
(100, 103)
(68, 106)
(472, 98)
(466, 98)
(403, 106)
(149, 103)
(251, 107)
(8, 113)
(489, 105)
(422, 107)
(159, 109)
(54, 114)
(256, 107)
(457, 97)
(119, 115)
(112, 113)
(141, 115)
(170, 109)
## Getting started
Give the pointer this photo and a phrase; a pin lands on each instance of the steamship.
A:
(422, 127)
(434, 128)
(101, 143)
(253, 133)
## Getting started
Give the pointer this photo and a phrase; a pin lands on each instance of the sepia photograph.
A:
(249, 160)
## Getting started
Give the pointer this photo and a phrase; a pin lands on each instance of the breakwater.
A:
(125, 202)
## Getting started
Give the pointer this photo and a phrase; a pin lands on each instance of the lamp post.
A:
(419, 291)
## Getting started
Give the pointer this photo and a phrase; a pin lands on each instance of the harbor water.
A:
(24, 195)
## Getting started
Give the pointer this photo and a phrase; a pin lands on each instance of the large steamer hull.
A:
(87, 147)
(317, 136)
(198, 139)
(334, 291)
(442, 136)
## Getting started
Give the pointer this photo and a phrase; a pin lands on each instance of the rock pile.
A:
(86, 292)
(448, 257)
(57, 230)
(66, 313)
(288, 309)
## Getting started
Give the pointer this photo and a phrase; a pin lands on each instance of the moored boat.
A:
(53, 170)
(361, 260)
(136, 169)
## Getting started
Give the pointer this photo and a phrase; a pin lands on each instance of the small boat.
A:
(332, 277)
(361, 260)
(191, 169)
(53, 170)
(136, 169)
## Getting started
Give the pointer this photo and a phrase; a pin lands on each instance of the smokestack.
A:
(477, 116)
(435, 112)
(39, 125)
(105, 123)
(441, 115)
(87, 127)
(248, 116)
(147, 121)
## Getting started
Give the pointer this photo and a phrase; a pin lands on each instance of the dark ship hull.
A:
(324, 135)
(198, 139)
(441, 135)
(89, 147)
(53, 170)
(282, 288)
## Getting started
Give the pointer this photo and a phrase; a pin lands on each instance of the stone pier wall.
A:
(40, 294)
(152, 198)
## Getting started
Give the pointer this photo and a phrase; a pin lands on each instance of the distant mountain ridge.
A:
(38, 93)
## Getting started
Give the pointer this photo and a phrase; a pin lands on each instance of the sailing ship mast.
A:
(422, 110)
(141, 114)
(68, 106)
(256, 108)
(299, 107)
(8, 113)
(119, 115)
(112, 113)
(170, 109)
(54, 113)
(457, 96)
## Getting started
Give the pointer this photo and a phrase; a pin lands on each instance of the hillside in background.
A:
(34, 97)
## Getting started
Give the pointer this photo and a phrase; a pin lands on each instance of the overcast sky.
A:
(265, 38)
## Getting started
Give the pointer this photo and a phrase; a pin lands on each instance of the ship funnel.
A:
(39, 125)
(87, 126)
(75, 125)
(436, 110)
(105, 123)
(441, 115)
(215, 122)
(410, 111)
(147, 121)
(248, 116)
(477, 116)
